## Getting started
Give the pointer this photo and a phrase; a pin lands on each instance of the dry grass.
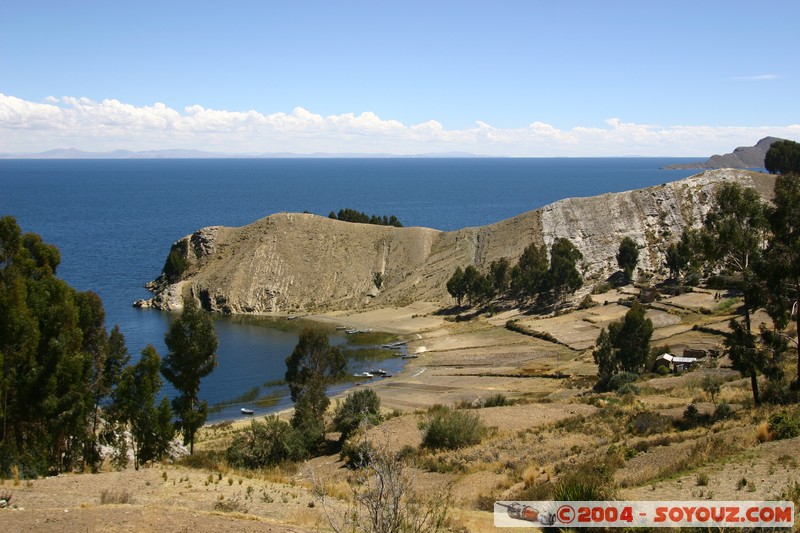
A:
(108, 497)
(763, 434)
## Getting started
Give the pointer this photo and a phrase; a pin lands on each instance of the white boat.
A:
(246, 411)
(363, 375)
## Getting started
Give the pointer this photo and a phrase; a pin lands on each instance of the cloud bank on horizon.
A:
(85, 124)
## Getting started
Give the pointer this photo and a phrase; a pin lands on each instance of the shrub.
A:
(176, 264)
(601, 288)
(576, 489)
(647, 423)
(691, 414)
(356, 454)
(626, 389)
(785, 424)
(623, 378)
(266, 443)
(109, 496)
(587, 302)
(498, 400)
(590, 480)
(723, 411)
(449, 429)
(663, 370)
(230, 505)
(702, 479)
(363, 406)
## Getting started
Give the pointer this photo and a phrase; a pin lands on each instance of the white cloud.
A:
(110, 124)
(760, 77)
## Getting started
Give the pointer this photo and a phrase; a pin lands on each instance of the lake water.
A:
(115, 220)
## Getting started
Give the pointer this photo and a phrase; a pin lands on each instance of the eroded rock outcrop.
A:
(289, 263)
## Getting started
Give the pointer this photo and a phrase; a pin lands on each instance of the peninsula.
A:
(292, 263)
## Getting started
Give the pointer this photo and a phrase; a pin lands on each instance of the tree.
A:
(631, 338)
(311, 366)
(734, 235)
(135, 406)
(605, 359)
(359, 407)
(456, 286)
(478, 286)
(745, 357)
(192, 343)
(51, 339)
(783, 157)
(500, 275)
(781, 268)
(563, 277)
(625, 346)
(529, 276)
(682, 256)
(91, 316)
(627, 257)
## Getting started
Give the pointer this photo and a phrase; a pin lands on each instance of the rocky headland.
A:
(742, 157)
(304, 263)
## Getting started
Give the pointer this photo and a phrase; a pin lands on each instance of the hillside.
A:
(742, 157)
(292, 263)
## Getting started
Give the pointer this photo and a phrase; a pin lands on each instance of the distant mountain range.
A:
(74, 153)
(742, 157)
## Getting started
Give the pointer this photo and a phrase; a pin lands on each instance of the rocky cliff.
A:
(742, 157)
(292, 263)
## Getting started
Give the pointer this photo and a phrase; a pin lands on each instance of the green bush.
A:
(723, 411)
(176, 264)
(363, 406)
(449, 429)
(618, 380)
(785, 424)
(265, 444)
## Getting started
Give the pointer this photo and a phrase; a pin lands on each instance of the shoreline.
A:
(409, 323)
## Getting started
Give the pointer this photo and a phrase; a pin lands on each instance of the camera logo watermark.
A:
(644, 514)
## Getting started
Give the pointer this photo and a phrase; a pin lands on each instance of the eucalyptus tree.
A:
(781, 268)
(456, 286)
(563, 277)
(192, 343)
(529, 275)
(734, 237)
(52, 346)
(783, 157)
(311, 366)
(135, 406)
(627, 257)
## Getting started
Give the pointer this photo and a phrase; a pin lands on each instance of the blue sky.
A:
(526, 78)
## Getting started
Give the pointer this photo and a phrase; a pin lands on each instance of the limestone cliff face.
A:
(291, 263)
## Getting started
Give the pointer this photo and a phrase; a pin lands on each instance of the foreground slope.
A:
(290, 263)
